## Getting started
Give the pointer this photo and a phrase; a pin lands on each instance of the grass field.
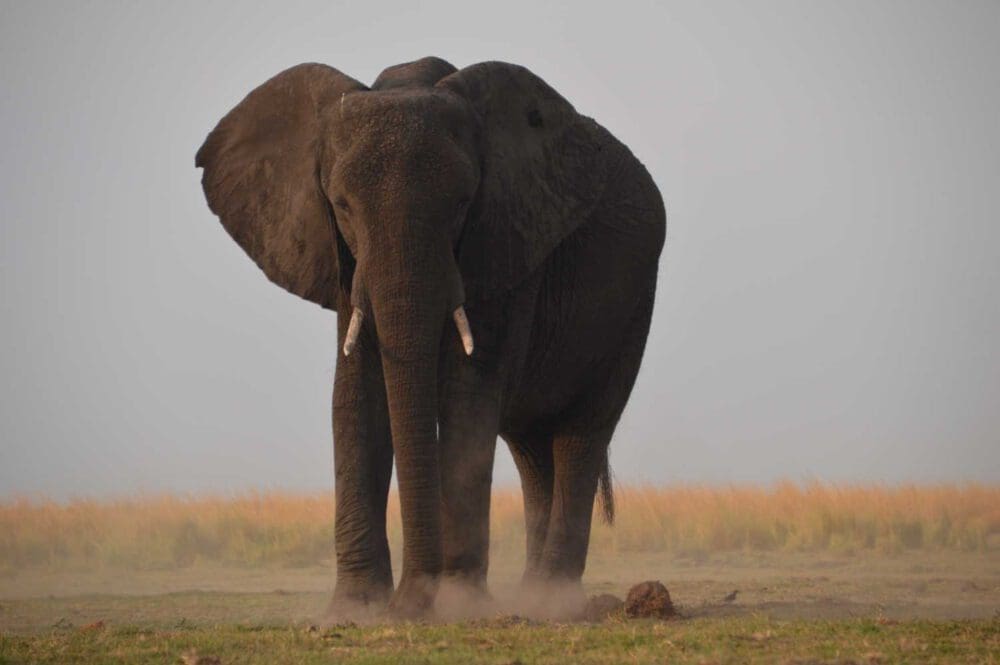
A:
(824, 573)
(295, 530)
(736, 640)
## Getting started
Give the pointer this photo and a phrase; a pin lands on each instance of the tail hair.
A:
(606, 491)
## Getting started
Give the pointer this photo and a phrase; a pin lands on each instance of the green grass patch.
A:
(511, 640)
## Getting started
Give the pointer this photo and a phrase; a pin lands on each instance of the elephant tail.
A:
(606, 490)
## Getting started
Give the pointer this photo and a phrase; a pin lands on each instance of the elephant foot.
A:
(359, 603)
(552, 599)
(464, 597)
(414, 598)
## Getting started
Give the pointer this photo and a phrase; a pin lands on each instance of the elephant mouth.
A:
(458, 316)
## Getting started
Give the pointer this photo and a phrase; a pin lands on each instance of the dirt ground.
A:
(918, 585)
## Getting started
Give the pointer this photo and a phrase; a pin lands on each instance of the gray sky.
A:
(827, 304)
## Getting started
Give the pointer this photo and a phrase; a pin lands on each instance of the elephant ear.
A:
(262, 166)
(544, 167)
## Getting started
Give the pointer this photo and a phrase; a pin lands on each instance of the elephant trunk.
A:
(411, 390)
(412, 296)
(458, 314)
(461, 323)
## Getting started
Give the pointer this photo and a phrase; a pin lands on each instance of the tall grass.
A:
(277, 529)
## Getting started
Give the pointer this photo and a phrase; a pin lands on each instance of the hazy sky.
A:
(827, 303)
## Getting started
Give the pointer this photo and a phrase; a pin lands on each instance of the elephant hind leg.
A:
(579, 461)
(580, 450)
(533, 458)
(560, 481)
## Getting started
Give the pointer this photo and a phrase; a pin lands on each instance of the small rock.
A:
(649, 599)
(601, 606)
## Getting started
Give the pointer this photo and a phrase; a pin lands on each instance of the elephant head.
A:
(398, 203)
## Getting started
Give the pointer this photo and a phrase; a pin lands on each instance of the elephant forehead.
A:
(406, 171)
(404, 115)
(405, 139)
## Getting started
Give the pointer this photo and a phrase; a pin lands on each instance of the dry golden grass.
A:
(297, 530)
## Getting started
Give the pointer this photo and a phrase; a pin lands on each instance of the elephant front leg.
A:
(469, 419)
(363, 468)
(468, 443)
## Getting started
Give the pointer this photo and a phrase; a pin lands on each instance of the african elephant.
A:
(492, 254)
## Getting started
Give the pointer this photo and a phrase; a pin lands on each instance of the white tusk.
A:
(462, 323)
(353, 329)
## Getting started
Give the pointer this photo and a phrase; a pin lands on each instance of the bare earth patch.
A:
(912, 585)
(921, 606)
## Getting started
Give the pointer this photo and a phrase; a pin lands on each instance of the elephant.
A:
(492, 257)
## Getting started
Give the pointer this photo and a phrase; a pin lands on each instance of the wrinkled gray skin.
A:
(431, 189)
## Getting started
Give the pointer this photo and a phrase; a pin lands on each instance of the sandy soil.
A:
(808, 586)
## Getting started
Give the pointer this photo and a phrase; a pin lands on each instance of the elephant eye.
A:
(340, 203)
(535, 118)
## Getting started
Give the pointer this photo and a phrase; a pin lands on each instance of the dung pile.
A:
(649, 599)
